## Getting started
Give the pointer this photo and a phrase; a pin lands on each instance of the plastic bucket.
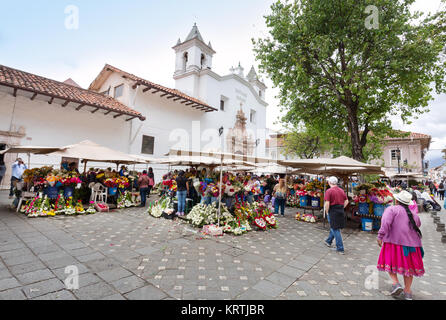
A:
(315, 202)
(367, 224)
(378, 209)
(376, 224)
(303, 200)
(68, 192)
(364, 208)
(112, 191)
(51, 192)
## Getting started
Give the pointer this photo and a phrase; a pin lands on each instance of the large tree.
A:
(343, 68)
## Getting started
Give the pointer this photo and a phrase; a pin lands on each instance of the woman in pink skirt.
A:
(400, 239)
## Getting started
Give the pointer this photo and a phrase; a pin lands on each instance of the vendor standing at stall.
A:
(182, 191)
(143, 182)
(279, 193)
(335, 202)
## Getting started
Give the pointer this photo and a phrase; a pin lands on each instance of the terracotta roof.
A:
(188, 100)
(72, 82)
(424, 138)
(411, 135)
(20, 80)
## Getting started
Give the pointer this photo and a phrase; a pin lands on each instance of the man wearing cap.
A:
(335, 202)
(18, 167)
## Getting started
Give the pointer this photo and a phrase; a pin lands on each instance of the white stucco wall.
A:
(54, 125)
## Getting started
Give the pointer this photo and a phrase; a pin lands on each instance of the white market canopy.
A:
(30, 150)
(333, 170)
(146, 159)
(414, 175)
(221, 155)
(328, 162)
(273, 169)
(93, 152)
(203, 161)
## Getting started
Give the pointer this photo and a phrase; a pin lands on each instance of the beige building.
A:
(412, 150)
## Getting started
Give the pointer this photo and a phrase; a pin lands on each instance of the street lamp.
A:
(398, 156)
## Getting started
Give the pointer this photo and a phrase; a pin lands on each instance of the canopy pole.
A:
(85, 166)
(219, 192)
(29, 160)
(325, 180)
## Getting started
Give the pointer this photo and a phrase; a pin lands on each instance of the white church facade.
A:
(122, 111)
(190, 116)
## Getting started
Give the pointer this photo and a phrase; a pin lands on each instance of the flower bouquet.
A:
(214, 190)
(122, 182)
(51, 179)
(101, 207)
(212, 230)
(59, 206)
(260, 222)
(79, 207)
(229, 189)
(156, 209)
(69, 208)
(71, 182)
(91, 209)
(111, 183)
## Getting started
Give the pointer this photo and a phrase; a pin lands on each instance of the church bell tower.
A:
(192, 56)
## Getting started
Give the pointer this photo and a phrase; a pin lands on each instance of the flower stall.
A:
(372, 199)
(42, 206)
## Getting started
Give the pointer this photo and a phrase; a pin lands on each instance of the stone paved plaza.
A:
(128, 254)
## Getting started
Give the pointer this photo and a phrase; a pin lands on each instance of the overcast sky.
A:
(138, 36)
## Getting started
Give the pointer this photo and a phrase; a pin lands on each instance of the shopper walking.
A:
(400, 240)
(143, 182)
(441, 190)
(151, 182)
(2, 170)
(182, 191)
(335, 202)
(279, 194)
(18, 167)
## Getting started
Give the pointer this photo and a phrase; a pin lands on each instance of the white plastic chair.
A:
(98, 192)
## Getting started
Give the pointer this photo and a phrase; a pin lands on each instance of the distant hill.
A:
(435, 162)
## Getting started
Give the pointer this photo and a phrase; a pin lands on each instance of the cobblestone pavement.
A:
(128, 254)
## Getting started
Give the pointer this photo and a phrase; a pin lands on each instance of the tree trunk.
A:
(354, 130)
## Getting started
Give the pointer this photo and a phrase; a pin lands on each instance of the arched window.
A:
(203, 60)
(185, 58)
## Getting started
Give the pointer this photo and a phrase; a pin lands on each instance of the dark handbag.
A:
(168, 216)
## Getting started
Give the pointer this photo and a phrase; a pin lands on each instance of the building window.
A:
(203, 61)
(106, 92)
(394, 155)
(252, 116)
(119, 90)
(185, 59)
(223, 103)
(148, 144)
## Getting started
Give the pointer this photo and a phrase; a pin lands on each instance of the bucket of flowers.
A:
(69, 184)
(69, 207)
(362, 193)
(112, 185)
(79, 207)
